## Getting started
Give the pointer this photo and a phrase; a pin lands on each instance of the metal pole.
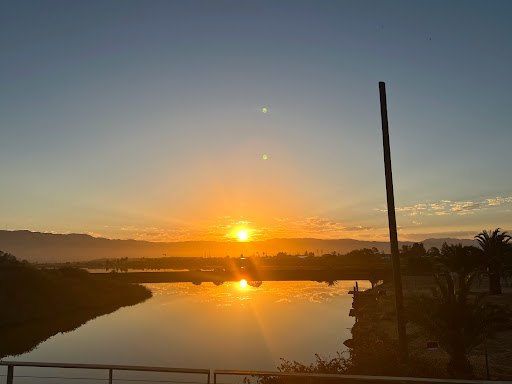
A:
(393, 238)
(10, 374)
(110, 376)
(486, 359)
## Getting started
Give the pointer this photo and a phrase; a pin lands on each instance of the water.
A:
(208, 326)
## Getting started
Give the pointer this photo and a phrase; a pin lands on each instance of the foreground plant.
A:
(457, 318)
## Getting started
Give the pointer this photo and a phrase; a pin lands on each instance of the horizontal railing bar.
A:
(103, 366)
(100, 379)
(160, 381)
(357, 377)
(62, 377)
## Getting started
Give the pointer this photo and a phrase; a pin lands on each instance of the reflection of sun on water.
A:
(243, 283)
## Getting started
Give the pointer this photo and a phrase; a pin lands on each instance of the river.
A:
(207, 326)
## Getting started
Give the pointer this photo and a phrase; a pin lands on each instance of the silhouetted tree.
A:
(417, 260)
(495, 248)
(433, 252)
(460, 324)
(365, 255)
(415, 250)
(455, 258)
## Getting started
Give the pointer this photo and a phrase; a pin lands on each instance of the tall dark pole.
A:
(393, 239)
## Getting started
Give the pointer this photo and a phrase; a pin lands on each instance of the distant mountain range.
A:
(49, 247)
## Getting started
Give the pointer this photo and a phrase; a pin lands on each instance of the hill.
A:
(49, 247)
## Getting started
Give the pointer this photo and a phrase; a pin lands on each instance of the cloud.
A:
(446, 207)
(464, 206)
(499, 201)
(156, 234)
(313, 226)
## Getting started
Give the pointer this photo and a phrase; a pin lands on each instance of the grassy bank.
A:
(37, 304)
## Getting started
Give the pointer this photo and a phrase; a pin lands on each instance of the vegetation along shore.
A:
(39, 303)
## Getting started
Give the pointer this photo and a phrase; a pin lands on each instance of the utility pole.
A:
(393, 238)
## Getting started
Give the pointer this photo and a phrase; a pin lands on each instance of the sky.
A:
(191, 120)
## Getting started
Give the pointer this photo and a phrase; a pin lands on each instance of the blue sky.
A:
(143, 119)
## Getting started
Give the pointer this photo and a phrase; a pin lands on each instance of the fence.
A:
(310, 376)
(110, 368)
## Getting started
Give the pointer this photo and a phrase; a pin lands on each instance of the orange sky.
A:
(182, 121)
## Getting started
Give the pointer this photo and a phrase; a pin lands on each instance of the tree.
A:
(495, 247)
(458, 322)
(455, 258)
(416, 259)
(433, 252)
(415, 250)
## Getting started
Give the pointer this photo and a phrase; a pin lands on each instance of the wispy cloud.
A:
(499, 201)
(447, 207)
(156, 234)
(315, 227)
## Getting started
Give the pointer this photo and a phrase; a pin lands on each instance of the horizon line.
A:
(227, 241)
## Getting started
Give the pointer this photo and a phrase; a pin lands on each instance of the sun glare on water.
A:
(242, 235)
(243, 283)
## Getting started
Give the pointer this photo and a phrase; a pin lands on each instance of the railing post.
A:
(214, 377)
(208, 382)
(110, 376)
(10, 374)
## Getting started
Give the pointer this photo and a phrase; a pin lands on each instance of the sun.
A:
(243, 283)
(242, 235)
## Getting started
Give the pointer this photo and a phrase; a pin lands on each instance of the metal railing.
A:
(110, 368)
(341, 377)
(373, 379)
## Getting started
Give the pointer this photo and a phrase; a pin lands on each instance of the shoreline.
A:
(40, 304)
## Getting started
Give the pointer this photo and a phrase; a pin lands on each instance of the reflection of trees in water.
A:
(255, 284)
(197, 282)
(217, 283)
(22, 338)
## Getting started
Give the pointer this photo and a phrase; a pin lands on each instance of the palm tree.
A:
(458, 259)
(495, 246)
(459, 322)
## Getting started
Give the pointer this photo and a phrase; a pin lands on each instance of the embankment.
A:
(37, 304)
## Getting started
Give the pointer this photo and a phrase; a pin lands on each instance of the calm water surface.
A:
(208, 326)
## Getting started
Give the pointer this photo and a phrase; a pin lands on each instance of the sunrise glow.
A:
(242, 235)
